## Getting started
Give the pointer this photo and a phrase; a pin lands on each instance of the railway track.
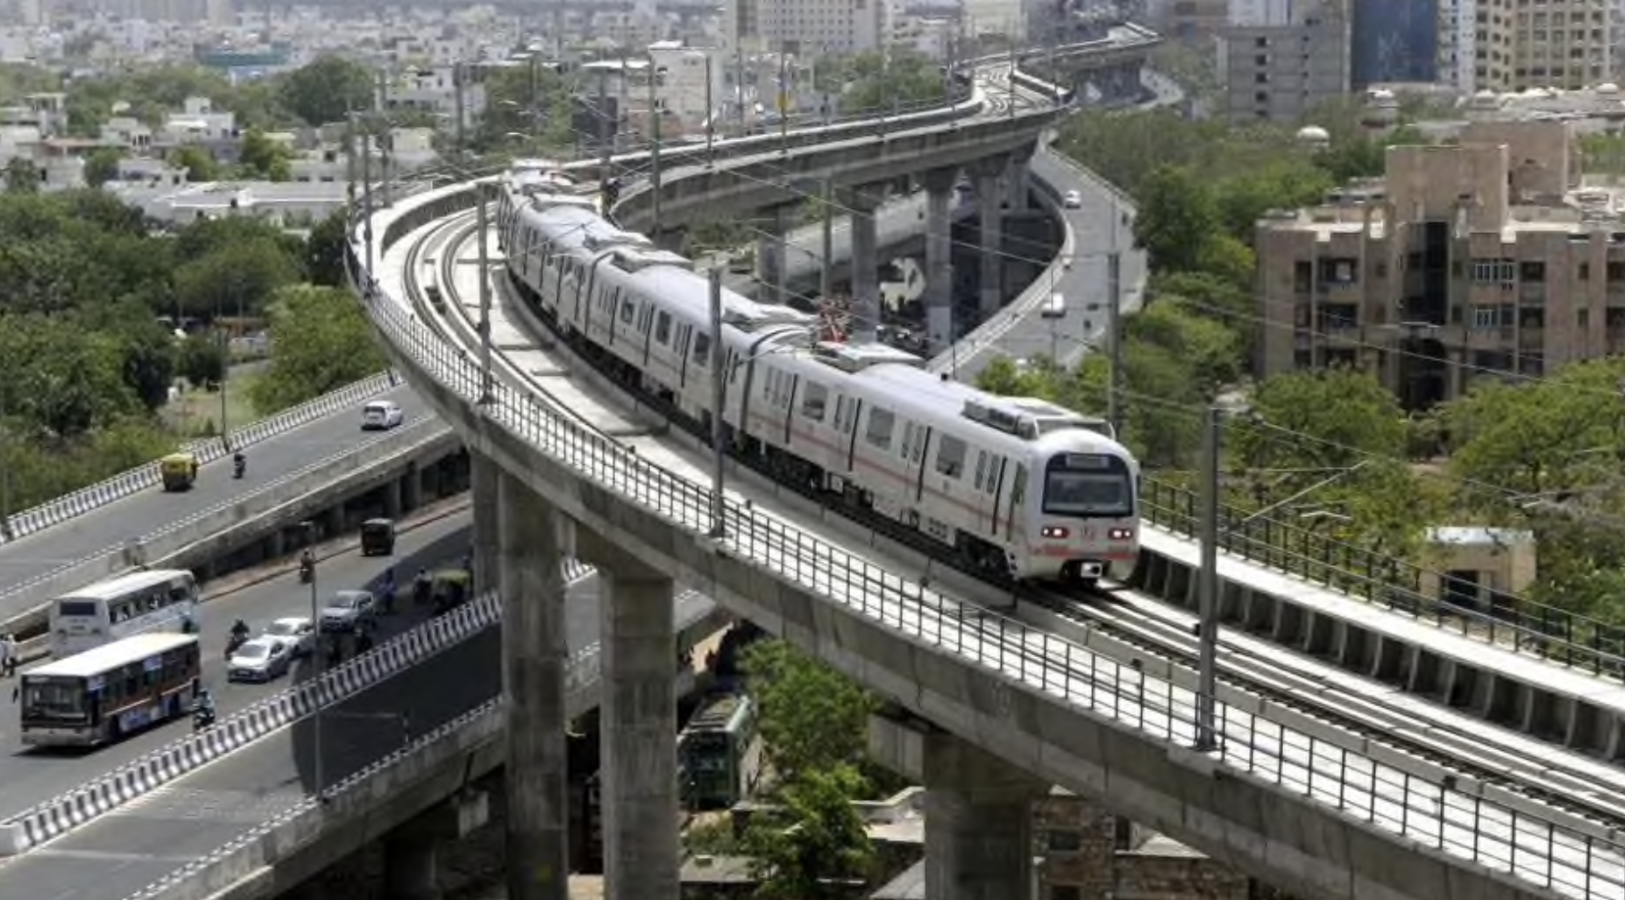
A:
(1137, 627)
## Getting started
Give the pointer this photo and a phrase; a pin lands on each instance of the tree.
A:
(62, 380)
(325, 250)
(197, 162)
(883, 80)
(239, 277)
(22, 176)
(813, 843)
(1177, 218)
(201, 360)
(533, 101)
(263, 157)
(813, 718)
(326, 90)
(322, 341)
(1327, 419)
(101, 166)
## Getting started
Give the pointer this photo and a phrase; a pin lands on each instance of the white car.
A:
(261, 659)
(348, 611)
(381, 415)
(1072, 199)
(296, 631)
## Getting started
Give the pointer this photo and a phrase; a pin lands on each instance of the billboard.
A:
(1394, 40)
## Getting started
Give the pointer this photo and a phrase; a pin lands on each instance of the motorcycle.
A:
(307, 571)
(202, 718)
(236, 640)
(238, 467)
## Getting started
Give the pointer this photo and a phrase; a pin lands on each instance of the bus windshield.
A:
(57, 699)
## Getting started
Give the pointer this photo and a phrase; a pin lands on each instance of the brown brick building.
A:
(1480, 256)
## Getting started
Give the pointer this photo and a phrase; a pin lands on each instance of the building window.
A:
(1532, 272)
(1065, 892)
(1493, 271)
(1338, 271)
(1065, 840)
(1585, 271)
(1486, 316)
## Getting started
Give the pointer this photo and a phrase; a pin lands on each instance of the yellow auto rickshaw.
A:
(449, 588)
(179, 471)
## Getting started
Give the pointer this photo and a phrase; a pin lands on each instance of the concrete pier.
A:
(484, 478)
(411, 864)
(639, 727)
(862, 203)
(533, 664)
(772, 250)
(939, 273)
(989, 174)
(978, 823)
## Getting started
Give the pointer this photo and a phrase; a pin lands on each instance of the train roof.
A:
(1028, 418)
(720, 713)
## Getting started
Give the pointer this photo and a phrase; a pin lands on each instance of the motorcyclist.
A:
(421, 587)
(239, 630)
(239, 462)
(307, 564)
(203, 703)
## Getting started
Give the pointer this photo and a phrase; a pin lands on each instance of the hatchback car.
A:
(295, 631)
(380, 415)
(1072, 200)
(348, 610)
(261, 659)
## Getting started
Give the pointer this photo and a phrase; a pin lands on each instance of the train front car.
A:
(1082, 517)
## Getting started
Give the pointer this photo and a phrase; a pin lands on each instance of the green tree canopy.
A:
(327, 89)
(63, 381)
(533, 101)
(325, 250)
(240, 277)
(882, 80)
(321, 340)
(812, 843)
(812, 718)
(1322, 419)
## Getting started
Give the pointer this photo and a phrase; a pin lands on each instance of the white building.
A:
(686, 80)
(433, 90)
(1458, 33)
(805, 28)
(197, 123)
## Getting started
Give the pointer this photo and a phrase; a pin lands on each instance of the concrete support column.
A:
(276, 545)
(484, 478)
(533, 663)
(939, 272)
(392, 498)
(988, 174)
(411, 870)
(638, 725)
(772, 253)
(978, 823)
(412, 487)
(865, 310)
(1018, 181)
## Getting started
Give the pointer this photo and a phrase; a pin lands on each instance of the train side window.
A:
(992, 474)
(840, 412)
(702, 350)
(981, 468)
(908, 440)
(814, 400)
(881, 425)
(951, 453)
(663, 328)
(629, 311)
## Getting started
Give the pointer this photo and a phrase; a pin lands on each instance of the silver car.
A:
(347, 610)
(296, 631)
(261, 659)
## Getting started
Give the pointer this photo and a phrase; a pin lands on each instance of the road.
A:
(29, 776)
(122, 851)
(113, 525)
(1101, 224)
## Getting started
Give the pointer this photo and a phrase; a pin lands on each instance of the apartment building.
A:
(805, 28)
(1465, 260)
(1520, 44)
(1278, 60)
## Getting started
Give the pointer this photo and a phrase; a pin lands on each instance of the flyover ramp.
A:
(32, 567)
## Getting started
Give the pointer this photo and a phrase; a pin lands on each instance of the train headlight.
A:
(1120, 534)
(1053, 531)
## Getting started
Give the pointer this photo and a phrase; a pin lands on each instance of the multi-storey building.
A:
(1458, 38)
(805, 28)
(1278, 60)
(1520, 44)
(1471, 259)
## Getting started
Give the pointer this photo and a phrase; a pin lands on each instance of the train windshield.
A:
(1088, 485)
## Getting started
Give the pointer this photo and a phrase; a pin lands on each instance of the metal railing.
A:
(1433, 809)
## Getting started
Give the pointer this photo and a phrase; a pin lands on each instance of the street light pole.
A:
(826, 280)
(719, 388)
(1207, 737)
(318, 655)
(654, 147)
(482, 230)
(366, 198)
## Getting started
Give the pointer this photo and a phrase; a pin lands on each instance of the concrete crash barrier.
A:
(251, 511)
(89, 499)
(83, 804)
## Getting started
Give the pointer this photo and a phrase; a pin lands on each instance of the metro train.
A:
(1017, 488)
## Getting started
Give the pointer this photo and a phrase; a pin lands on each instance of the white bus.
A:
(110, 692)
(138, 603)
